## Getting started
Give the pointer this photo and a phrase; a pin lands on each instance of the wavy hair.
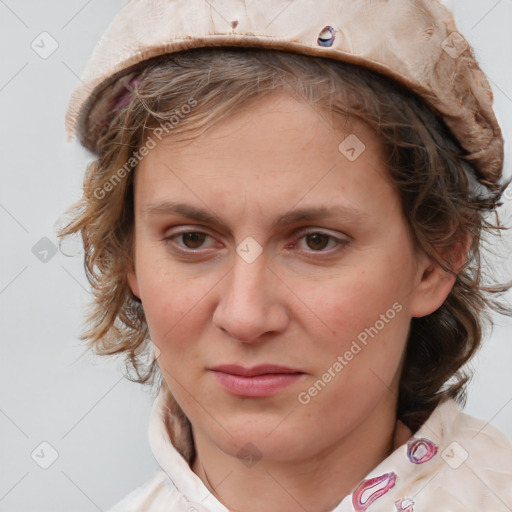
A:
(442, 198)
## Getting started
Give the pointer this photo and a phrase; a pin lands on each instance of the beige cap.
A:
(414, 42)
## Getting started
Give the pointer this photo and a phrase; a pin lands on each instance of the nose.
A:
(252, 302)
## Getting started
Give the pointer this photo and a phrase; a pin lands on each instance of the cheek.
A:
(353, 300)
(364, 352)
(175, 305)
(367, 326)
(174, 322)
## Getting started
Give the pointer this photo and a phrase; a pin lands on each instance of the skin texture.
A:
(301, 303)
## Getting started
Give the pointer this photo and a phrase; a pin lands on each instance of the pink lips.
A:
(258, 381)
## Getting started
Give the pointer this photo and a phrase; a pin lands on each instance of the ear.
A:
(435, 284)
(133, 282)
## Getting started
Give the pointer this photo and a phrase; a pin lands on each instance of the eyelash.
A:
(340, 243)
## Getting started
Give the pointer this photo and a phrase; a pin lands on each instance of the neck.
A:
(319, 482)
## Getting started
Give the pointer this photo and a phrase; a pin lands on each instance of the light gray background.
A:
(93, 418)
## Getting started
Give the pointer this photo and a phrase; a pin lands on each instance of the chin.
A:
(252, 440)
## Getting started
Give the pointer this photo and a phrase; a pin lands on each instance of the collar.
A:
(174, 465)
(420, 469)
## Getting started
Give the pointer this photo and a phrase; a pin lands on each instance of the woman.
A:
(289, 204)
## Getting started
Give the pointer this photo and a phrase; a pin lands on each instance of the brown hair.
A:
(442, 198)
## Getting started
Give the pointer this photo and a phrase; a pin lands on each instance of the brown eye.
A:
(317, 241)
(193, 240)
(189, 243)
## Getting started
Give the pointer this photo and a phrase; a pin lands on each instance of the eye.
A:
(318, 241)
(191, 240)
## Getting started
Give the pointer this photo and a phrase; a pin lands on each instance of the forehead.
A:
(277, 149)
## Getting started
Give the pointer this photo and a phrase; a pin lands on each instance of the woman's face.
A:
(275, 240)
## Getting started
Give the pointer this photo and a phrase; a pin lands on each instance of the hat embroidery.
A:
(326, 37)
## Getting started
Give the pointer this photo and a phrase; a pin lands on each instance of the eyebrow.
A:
(290, 217)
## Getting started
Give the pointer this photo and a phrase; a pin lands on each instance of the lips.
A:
(258, 381)
(262, 369)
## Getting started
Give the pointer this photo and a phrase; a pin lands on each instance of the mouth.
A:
(262, 369)
(258, 381)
